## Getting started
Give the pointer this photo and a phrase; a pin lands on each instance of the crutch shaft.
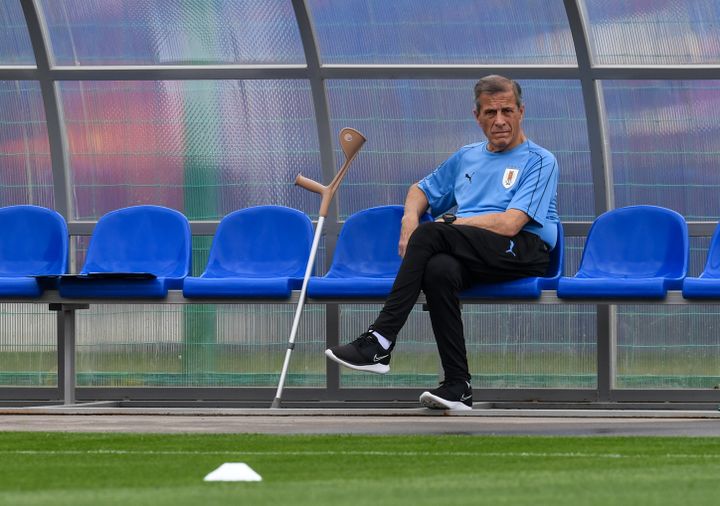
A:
(299, 310)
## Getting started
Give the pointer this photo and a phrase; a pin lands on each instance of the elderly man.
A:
(505, 190)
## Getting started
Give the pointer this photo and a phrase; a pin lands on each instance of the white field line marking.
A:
(361, 453)
(233, 471)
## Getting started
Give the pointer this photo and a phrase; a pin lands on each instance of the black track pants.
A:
(444, 259)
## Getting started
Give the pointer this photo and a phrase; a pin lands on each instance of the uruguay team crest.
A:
(510, 176)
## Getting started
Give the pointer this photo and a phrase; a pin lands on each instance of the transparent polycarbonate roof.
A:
(213, 105)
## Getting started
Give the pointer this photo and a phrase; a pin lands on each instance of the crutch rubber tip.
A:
(275, 403)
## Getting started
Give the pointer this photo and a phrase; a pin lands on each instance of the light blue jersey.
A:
(479, 181)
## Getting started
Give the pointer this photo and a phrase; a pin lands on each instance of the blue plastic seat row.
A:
(140, 251)
(261, 252)
(144, 251)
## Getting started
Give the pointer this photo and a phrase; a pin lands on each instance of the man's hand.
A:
(416, 203)
(409, 224)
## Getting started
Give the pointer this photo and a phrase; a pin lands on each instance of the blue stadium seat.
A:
(707, 286)
(525, 288)
(631, 252)
(366, 261)
(259, 252)
(135, 252)
(33, 242)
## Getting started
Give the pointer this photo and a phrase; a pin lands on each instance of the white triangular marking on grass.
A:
(233, 471)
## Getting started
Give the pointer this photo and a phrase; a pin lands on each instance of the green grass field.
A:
(109, 469)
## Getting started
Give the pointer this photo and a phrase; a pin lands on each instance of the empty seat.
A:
(707, 286)
(366, 260)
(631, 252)
(529, 287)
(257, 252)
(33, 242)
(135, 252)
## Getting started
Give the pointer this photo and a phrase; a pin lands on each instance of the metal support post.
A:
(606, 350)
(66, 349)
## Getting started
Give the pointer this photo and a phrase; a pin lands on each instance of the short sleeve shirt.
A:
(479, 181)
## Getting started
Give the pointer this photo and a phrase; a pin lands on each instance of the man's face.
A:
(499, 117)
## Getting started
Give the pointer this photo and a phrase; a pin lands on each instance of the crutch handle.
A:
(309, 184)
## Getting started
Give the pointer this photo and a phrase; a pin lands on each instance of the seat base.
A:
(701, 288)
(238, 287)
(525, 288)
(616, 288)
(23, 286)
(357, 287)
(89, 288)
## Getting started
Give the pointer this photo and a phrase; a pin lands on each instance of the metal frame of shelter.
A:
(587, 72)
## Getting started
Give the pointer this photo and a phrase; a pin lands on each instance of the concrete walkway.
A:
(356, 421)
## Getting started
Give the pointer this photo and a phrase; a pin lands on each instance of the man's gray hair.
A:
(497, 84)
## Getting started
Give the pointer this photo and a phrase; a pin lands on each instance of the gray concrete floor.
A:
(335, 421)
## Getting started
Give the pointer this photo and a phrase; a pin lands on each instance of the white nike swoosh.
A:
(378, 359)
(463, 398)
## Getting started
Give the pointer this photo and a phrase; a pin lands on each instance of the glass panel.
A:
(413, 126)
(78, 251)
(25, 167)
(680, 32)
(681, 351)
(699, 247)
(205, 148)
(665, 141)
(198, 346)
(431, 31)
(28, 337)
(509, 346)
(516, 346)
(573, 254)
(415, 362)
(191, 32)
(15, 46)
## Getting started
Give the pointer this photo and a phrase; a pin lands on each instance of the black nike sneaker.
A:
(453, 395)
(364, 354)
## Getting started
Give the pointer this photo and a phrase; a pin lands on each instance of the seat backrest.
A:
(33, 241)
(151, 239)
(368, 241)
(636, 242)
(262, 241)
(712, 265)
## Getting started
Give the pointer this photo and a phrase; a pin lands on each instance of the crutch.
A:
(350, 141)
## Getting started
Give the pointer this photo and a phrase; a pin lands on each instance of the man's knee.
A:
(442, 272)
(426, 233)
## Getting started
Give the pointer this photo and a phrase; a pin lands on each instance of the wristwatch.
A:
(449, 218)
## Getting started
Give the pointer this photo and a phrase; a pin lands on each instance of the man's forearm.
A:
(416, 203)
(509, 223)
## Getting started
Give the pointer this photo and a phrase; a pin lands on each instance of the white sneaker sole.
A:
(376, 368)
(434, 402)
